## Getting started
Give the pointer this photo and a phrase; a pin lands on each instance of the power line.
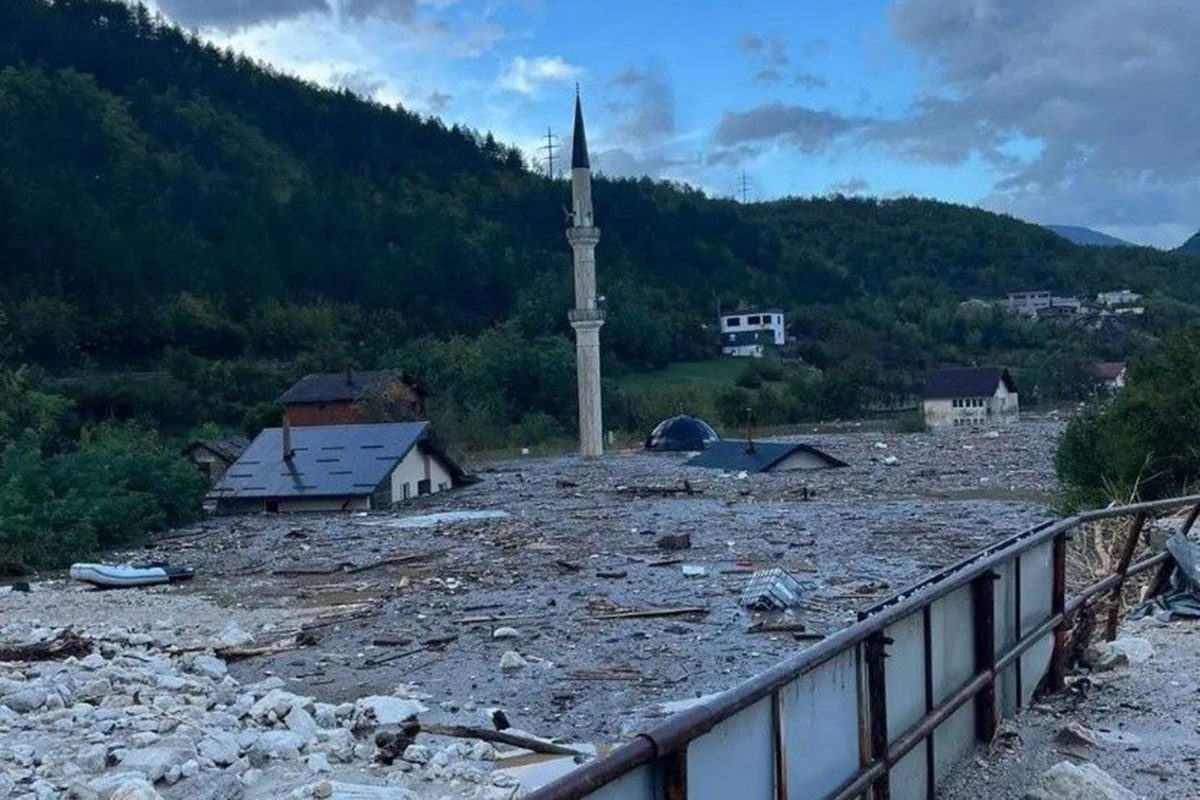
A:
(743, 187)
(550, 146)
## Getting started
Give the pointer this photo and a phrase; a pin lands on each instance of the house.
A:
(1027, 303)
(354, 467)
(213, 456)
(971, 396)
(1109, 375)
(1120, 297)
(732, 455)
(748, 333)
(339, 398)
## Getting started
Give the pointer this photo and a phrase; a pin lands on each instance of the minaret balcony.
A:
(585, 315)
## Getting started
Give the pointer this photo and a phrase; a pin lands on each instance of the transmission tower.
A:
(743, 187)
(549, 147)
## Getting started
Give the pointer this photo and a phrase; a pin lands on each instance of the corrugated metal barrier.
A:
(884, 708)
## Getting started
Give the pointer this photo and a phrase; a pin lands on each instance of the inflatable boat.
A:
(116, 576)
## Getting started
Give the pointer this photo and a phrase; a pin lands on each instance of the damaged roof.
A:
(332, 387)
(228, 448)
(946, 384)
(732, 455)
(327, 461)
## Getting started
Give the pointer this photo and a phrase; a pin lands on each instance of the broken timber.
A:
(64, 644)
(652, 612)
(659, 491)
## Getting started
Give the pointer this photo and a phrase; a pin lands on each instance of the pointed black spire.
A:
(579, 154)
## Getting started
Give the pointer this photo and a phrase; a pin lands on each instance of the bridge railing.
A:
(884, 708)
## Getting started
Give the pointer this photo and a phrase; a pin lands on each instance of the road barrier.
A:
(884, 708)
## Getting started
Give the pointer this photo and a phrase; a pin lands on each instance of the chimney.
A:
(288, 451)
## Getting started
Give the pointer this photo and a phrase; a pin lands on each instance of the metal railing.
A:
(884, 708)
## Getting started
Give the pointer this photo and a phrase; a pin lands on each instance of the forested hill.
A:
(174, 209)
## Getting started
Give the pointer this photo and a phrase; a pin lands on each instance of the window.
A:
(752, 320)
(443, 487)
(272, 506)
(405, 491)
(734, 322)
(423, 486)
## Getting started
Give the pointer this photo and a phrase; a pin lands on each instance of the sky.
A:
(1080, 112)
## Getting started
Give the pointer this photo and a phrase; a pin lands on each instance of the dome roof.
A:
(683, 432)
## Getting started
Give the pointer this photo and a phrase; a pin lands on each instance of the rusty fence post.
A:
(1114, 608)
(1161, 577)
(1058, 603)
(983, 593)
(875, 652)
(673, 775)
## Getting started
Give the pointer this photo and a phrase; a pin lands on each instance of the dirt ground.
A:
(1146, 715)
(390, 603)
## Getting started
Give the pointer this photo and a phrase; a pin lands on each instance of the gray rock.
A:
(335, 790)
(221, 786)
(301, 723)
(279, 703)
(1086, 781)
(153, 762)
(210, 667)
(1126, 651)
(104, 786)
(318, 763)
(416, 754)
(219, 747)
(505, 633)
(232, 635)
(281, 745)
(25, 700)
(93, 758)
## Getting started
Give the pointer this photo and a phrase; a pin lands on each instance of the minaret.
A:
(585, 318)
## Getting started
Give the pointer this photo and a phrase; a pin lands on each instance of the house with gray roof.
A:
(732, 455)
(971, 397)
(335, 398)
(213, 456)
(356, 467)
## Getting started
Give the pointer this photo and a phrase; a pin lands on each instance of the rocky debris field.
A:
(1125, 729)
(585, 599)
(142, 717)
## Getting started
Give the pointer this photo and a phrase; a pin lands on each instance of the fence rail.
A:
(884, 708)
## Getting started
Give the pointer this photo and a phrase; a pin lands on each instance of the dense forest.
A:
(184, 231)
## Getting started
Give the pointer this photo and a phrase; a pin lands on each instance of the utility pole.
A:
(550, 146)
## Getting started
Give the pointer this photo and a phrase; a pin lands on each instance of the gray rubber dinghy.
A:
(117, 576)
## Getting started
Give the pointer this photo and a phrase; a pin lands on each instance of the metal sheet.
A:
(904, 670)
(736, 758)
(1037, 584)
(907, 780)
(1006, 635)
(952, 627)
(820, 728)
(636, 785)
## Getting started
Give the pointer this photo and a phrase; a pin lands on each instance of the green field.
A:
(713, 375)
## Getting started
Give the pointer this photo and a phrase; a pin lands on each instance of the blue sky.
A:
(1070, 111)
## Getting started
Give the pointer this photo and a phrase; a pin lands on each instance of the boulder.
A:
(218, 786)
(505, 633)
(1086, 781)
(388, 710)
(220, 747)
(210, 667)
(153, 762)
(232, 635)
(282, 745)
(135, 790)
(1126, 651)
(24, 700)
(511, 661)
(301, 723)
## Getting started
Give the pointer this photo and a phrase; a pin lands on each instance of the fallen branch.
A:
(652, 612)
(66, 643)
(350, 568)
(659, 491)
(501, 737)
(776, 627)
(396, 560)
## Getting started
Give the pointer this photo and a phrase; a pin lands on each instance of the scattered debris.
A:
(660, 491)
(652, 612)
(773, 588)
(762, 626)
(512, 660)
(505, 633)
(64, 644)
(674, 541)
(433, 520)
(694, 571)
(1123, 652)
(615, 573)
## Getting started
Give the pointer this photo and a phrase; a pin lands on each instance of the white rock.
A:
(301, 723)
(93, 758)
(511, 660)
(25, 700)
(279, 703)
(389, 710)
(417, 754)
(1125, 651)
(282, 745)
(694, 570)
(505, 633)
(220, 747)
(1067, 781)
(318, 763)
(232, 635)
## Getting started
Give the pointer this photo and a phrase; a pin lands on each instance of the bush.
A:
(911, 423)
(1140, 445)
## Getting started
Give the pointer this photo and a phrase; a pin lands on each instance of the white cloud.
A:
(527, 75)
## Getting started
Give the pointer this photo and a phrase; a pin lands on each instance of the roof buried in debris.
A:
(967, 382)
(327, 461)
(332, 387)
(741, 456)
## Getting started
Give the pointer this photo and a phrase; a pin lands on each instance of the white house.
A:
(336, 468)
(1121, 297)
(1028, 303)
(747, 332)
(971, 397)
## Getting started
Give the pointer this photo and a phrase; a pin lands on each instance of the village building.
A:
(342, 398)
(356, 467)
(732, 455)
(748, 333)
(971, 397)
(1120, 297)
(1109, 375)
(213, 456)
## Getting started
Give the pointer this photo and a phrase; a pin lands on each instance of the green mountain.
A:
(1192, 245)
(189, 216)
(1087, 237)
